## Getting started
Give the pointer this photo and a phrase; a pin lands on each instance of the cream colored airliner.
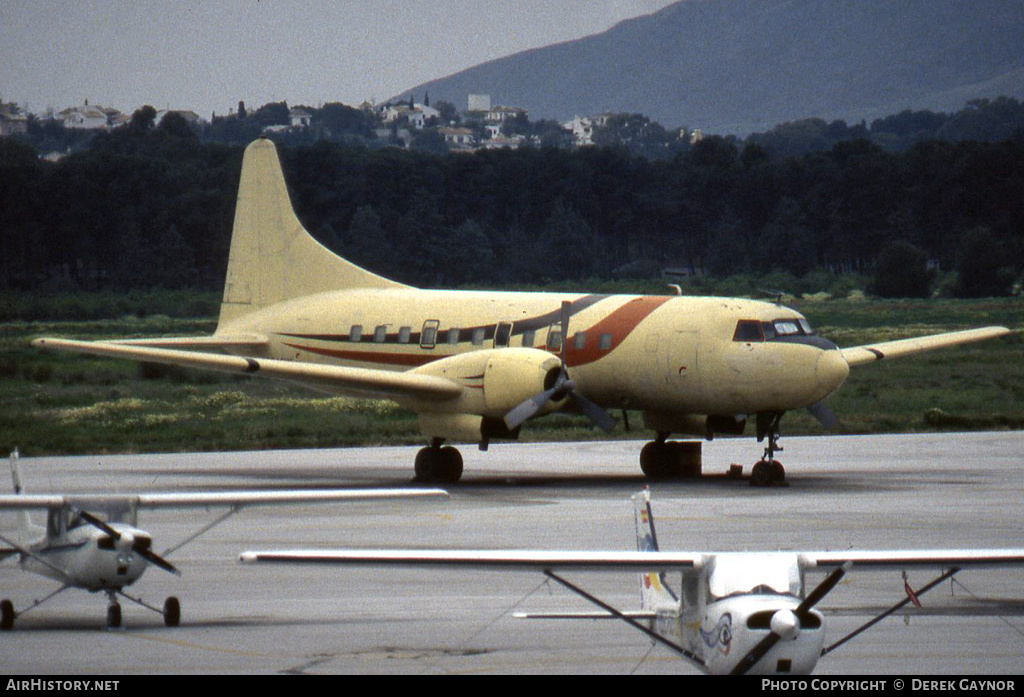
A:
(475, 365)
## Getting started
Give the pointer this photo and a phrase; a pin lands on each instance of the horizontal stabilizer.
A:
(632, 614)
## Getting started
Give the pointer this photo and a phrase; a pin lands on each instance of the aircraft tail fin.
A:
(654, 591)
(272, 257)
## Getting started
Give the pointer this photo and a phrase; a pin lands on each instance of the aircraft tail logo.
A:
(653, 591)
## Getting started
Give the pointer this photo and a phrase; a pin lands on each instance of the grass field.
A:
(59, 403)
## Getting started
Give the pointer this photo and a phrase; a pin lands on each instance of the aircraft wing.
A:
(858, 355)
(902, 559)
(483, 559)
(234, 499)
(622, 561)
(361, 381)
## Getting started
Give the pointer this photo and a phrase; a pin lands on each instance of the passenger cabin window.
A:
(604, 342)
(355, 333)
(478, 336)
(403, 335)
(748, 330)
(380, 333)
(579, 341)
(453, 336)
(528, 338)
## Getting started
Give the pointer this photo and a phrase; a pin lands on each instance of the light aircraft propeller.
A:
(140, 544)
(786, 624)
(562, 387)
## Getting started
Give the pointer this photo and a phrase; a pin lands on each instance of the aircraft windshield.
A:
(735, 574)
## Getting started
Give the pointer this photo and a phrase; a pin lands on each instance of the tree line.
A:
(151, 206)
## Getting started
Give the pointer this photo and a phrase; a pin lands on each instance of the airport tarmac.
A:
(867, 492)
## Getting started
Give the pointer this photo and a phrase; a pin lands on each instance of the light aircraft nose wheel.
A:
(172, 612)
(767, 472)
(437, 464)
(114, 615)
(6, 614)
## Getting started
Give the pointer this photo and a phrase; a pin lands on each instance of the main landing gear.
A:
(665, 459)
(436, 464)
(768, 470)
(171, 611)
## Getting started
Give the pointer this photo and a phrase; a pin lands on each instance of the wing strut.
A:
(628, 620)
(202, 531)
(894, 608)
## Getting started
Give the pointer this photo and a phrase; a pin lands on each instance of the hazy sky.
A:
(206, 55)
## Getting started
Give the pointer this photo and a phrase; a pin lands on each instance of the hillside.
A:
(735, 66)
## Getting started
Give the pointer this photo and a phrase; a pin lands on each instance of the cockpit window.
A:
(792, 327)
(785, 327)
(748, 330)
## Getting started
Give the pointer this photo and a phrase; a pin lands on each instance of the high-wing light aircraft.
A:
(733, 613)
(475, 365)
(107, 552)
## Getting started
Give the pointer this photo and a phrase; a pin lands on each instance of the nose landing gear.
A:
(768, 470)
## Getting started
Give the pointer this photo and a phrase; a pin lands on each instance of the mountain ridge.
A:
(738, 65)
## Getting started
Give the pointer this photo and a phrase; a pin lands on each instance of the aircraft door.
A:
(502, 334)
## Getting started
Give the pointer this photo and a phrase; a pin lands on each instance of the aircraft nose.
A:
(831, 371)
(786, 624)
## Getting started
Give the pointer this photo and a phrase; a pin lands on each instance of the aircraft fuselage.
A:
(671, 354)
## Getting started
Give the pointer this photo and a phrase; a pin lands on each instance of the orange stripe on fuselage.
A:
(620, 324)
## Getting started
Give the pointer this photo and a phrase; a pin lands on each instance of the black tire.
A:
(172, 612)
(450, 465)
(6, 614)
(426, 464)
(761, 474)
(652, 460)
(114, 615)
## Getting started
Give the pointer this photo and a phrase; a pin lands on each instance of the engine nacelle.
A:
(494, 381)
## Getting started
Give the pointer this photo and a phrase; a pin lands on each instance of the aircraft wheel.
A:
(778, 471)
(435, 464)
(6, 614)
(172, 612)
(114, 615)
(450, 465)
(653, 460)
(761, 474)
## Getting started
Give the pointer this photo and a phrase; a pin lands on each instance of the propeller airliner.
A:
(93, 542)
(476, 365)
(732, 613)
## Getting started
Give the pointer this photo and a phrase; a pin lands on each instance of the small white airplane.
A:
(92, 542)
(476, 365)
(734, 612)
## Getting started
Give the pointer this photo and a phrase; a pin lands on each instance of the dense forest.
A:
(151, 206)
